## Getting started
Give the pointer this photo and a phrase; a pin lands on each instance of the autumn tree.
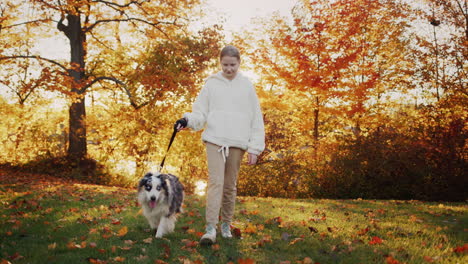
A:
(444, 51)
(105, 38)
(343, 57)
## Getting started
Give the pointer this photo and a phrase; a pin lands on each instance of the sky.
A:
(237, 16)
(238, 13)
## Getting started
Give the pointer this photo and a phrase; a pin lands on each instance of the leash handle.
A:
(167, 151)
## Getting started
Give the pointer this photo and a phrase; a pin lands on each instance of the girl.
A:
(228, 108)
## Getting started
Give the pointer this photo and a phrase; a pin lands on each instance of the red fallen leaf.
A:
(16, 256)
(313, 229)
(245, 261)
(189, 243)
(363, 231)
(237, 232)
(116, 222)
(263, 241)
(167, 251)
(106, 236)
(375, 240)
(428, 259)
(391, 260)
(276, 220)
(4, 261)
(215, 247)
(158, 261)
(461, 249)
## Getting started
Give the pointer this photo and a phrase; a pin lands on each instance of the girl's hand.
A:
(252, 159)
(180, 124)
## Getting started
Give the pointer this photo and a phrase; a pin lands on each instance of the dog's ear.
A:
(164, 183)
(148, 175)
(143, 182)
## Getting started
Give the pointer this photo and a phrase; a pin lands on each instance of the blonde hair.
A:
(230, 51)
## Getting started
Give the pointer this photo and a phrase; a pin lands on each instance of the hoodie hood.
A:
(219, 76)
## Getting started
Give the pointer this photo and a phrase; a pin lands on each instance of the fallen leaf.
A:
(167, 251)
(294, 241)
(96, 261)
(141, 258)
(123, 231)
(189, 243)
(237, 232)
(375, 240)
(215, 247)
(119, 259)
(428, 259)
(245, 261)
(149, 240)
(461, 249)
(250, 229)
(16, 256)
(363, 231)
(263, 241)
(391, 260)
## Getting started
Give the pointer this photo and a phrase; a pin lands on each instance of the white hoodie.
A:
(231, 112)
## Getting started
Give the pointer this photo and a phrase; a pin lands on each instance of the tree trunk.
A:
(77, 148)
(316, 119)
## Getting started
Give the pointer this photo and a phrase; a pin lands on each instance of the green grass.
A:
(45, 220)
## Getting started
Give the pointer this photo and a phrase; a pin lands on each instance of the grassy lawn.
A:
(46, 220)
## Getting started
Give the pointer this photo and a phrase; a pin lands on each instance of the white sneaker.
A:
(209, 237)
(226, 230)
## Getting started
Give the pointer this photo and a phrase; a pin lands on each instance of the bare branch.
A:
(120, 5)
(154, 24)
(117, 81)
(100, 42)
(34, 57)
(26, 23)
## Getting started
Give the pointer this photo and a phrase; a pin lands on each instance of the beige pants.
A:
(223, 168)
